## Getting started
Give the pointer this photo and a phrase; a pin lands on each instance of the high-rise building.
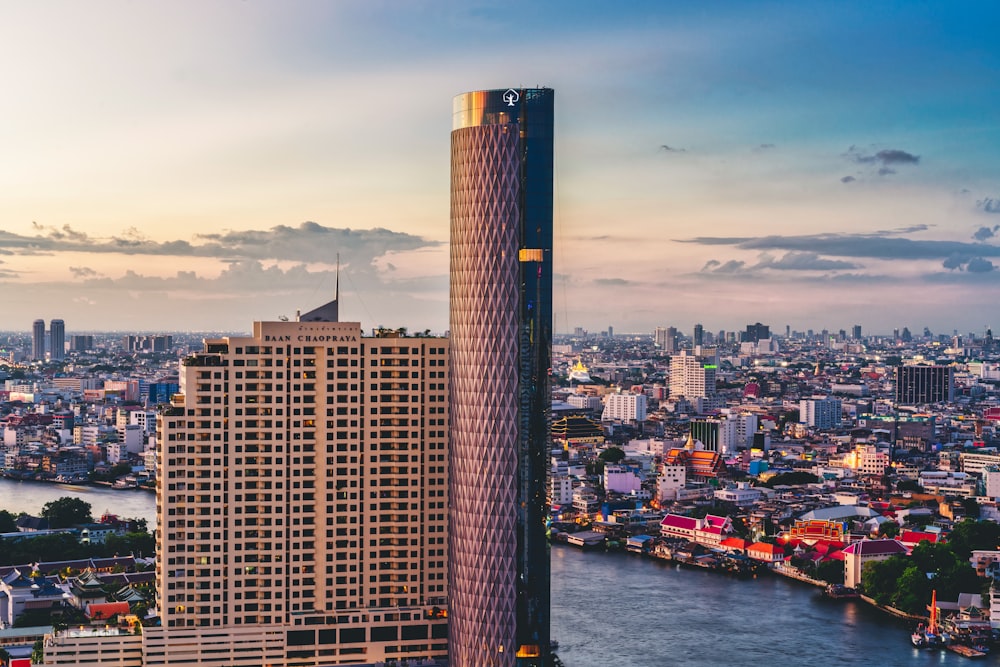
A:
(672, 344)
(699, 335)
(38, 340)
(693, 376)
(924, 384)
(660, 337)
(627, 407)
(716, 434)
(820, 412)
(501, 328)
(81, 343)
(57, 331)
(856, 332)
(755, 333)
(302, 500)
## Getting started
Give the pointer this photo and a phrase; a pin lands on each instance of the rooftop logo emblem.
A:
(511, 96)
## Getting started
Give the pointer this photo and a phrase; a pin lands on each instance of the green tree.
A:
(4, 656)
(913, 591)
(612, 455)
(970, 534)
(878, 579)
(61, 546)
(971, 507)
(8, 522)
(888, 529)
(830, 571)
(130, 543)
(66, 512)
(791, 479)
(38, 653)
(911, 485)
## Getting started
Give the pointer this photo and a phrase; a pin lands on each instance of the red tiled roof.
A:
(764, 547)
(678, 521)
(876, 548)
(917, 536)
(106, 610)
(734, 543)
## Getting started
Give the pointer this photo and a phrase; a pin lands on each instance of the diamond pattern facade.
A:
(494, 382)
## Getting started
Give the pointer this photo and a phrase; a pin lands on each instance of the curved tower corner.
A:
(501, 332)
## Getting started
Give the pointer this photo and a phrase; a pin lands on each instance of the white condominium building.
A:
(624, 407)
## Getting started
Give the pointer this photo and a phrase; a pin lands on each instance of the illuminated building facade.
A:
(501, 329)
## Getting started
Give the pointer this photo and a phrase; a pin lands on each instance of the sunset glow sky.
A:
(199, 165)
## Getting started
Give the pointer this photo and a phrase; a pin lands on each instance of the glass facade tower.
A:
(501, 330)
(38, 340)
(57, 334)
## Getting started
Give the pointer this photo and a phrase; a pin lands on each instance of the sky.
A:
(200, 165)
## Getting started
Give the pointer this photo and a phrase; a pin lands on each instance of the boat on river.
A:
(930, 635)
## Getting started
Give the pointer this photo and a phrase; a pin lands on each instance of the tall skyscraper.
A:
(501, 328)
(302, 499)
(38, 340)
(924, 384)
(57, 332)
(692, 375)
(699, 335)
(660, 337)
(672, 344)
(755, 333)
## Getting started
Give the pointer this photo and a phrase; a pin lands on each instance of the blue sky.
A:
(199, 165)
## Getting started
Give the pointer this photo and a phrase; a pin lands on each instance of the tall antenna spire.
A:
(328, 312)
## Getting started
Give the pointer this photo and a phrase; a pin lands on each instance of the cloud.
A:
(886, 171)
(979, 265)
(804, 261)
(308, 242)
(763, 147)
(83, 272)
(888, 156)
(955, 261)
(989, 205)
(672, 149)
(848, 179)
(612, 282)
(984, 233)
(895, 156)
(879, 245)
(968, 263)
(732, 266)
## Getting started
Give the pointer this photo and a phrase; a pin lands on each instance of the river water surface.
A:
(17, 497)
(623, 610)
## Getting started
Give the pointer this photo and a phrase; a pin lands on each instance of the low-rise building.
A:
(741, 494)
(868, 551)
(766, 552)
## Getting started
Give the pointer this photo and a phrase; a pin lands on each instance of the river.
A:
(624, 610)
(29, 497)
(627, 611)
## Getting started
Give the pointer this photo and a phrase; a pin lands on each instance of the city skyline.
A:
(814, 165)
